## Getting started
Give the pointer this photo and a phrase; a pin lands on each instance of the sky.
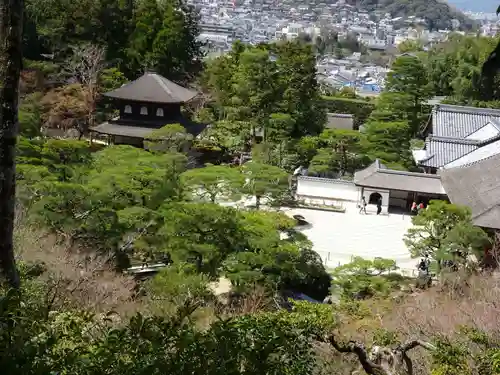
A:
(487, 6)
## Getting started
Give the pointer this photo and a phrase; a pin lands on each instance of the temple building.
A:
(459, 136)
(476, 186)
(397, 190)
(145, 105)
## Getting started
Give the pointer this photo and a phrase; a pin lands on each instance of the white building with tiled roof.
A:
(459, 136)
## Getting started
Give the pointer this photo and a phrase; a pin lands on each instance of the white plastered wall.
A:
(326, 191)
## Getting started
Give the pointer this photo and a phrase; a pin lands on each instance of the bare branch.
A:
(86, 63)
(380, 360)
(84, 67)
(358, 349)
(409, 345)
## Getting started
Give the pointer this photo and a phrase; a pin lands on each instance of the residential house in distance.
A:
(458, 136)
(145, 105)
(339, 121)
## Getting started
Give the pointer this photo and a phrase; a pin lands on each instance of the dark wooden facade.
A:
(144, 112)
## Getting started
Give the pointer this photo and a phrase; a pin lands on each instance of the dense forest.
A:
(84, 214)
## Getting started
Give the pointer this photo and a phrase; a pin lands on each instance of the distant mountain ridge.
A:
(438, 14)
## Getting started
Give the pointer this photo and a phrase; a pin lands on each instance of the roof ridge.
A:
(479, 145)
(495, 122)
(121, 87)
(482, 212)
(408, 173)
(335, 180)
(466, 109)
(492, 121)
(376, 163)
(161, 83)
(464, 141)
(475, 162)
(486, 142)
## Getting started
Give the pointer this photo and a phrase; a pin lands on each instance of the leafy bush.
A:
(81, 343)
(445, 232)
(364, 278)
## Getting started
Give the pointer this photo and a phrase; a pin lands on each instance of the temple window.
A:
(128, 109)
(144, 111)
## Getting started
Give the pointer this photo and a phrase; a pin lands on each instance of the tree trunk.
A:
(381, 360)
(11, 26)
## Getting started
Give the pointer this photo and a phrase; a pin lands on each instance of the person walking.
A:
(362, 206)
(424, 279)
(379, 206)
(424, 264)
(414, 208)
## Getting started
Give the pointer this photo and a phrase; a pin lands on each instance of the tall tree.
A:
(213, 182)
(264, 181)
(297, 67)
(272, 85)
(462, 68)
(389, 142)
(165, 38)
(176, 48)
(491, 66)
(112, 26)
(256, 87)
(409, 76)
(445, 231)
(11, 31)
(61, 23)
(340, 153)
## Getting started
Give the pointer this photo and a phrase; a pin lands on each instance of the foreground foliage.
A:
(77, 342)
(139, 206)
(445, 233)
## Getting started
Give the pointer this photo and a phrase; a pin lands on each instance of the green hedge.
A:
(359, 108)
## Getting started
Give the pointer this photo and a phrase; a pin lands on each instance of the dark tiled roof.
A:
(123, 130)
(478, 187)
(493, 121)
(378, 176)
(153, 88)
(443, 150)
(459, 121)
(130, 129)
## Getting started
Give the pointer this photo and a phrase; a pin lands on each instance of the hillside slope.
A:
(438, 14)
